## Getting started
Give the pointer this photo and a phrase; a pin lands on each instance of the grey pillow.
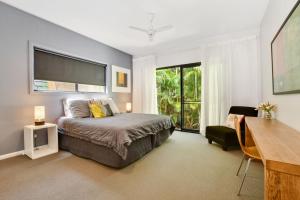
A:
(108, 110)
(79, 108)
(112, 105)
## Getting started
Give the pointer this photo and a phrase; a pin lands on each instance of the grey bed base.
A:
(107, 156)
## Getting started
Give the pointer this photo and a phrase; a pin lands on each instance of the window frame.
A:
(33, 45)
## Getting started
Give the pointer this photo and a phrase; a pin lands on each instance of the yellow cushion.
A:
(96, 109)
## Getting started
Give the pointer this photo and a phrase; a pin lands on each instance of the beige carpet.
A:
(185, 167)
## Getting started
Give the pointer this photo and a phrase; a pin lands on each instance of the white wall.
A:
(246, 81)
(178, 58)
(288, 105)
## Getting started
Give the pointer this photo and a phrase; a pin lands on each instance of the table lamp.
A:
(39, 115)
(128, 107)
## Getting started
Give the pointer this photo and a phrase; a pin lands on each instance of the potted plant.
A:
(267, 109)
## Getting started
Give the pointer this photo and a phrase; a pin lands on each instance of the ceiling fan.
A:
(151, 31)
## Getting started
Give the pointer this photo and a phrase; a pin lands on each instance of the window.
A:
(90, 88)
(42, 85)
(62, 73)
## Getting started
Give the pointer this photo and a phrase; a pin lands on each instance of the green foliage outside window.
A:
(169, 95)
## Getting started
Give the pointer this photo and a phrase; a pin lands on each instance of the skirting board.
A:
(10, 155)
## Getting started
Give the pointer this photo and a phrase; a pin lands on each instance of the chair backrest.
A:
(237, 124)
(243, 110)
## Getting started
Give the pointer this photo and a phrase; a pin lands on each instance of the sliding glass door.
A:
(179, 95)
(169, 93)
(191, 97)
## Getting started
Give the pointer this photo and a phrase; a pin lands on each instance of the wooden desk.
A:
(279, 147)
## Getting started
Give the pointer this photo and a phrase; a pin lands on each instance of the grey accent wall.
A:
(16, 103)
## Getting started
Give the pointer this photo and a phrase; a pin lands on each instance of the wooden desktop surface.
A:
(279, 147)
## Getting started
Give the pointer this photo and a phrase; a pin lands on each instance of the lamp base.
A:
(39, 123)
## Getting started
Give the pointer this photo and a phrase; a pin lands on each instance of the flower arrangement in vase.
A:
(267, 109)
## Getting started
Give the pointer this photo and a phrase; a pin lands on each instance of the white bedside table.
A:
(44, 150)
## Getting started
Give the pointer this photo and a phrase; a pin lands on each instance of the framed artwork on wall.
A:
(286, 55)
(121, 79)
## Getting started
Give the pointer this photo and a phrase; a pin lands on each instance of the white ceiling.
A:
(107, 21)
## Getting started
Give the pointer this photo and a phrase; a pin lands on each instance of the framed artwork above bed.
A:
(121, 79)
(286, 55)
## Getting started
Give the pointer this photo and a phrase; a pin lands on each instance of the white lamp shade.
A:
(128, 107)
(39, 113)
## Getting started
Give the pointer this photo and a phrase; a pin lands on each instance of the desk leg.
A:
(281, 186)
(265, 183)
(248, 137)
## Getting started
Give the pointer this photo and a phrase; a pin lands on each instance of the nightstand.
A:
(50, 148)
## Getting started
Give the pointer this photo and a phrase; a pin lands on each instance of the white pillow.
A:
(66, 108)
(76, 108)
(230, 120)
(111, 103)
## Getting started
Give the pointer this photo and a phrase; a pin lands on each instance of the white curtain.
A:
(227, 70)
(144, 85)
(216, 85)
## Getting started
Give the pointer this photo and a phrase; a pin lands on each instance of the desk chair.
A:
(249, 152)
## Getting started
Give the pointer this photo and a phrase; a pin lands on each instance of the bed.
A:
(114, 141)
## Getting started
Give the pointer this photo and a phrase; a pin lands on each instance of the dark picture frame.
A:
(275, 39)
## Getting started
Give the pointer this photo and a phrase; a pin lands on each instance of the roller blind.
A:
(53, 66)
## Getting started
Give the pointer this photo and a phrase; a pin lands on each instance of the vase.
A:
(267, 115)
